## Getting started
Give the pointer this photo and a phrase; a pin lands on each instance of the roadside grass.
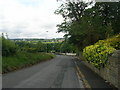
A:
(23, 59)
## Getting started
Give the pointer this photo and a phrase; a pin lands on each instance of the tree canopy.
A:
(85, 26)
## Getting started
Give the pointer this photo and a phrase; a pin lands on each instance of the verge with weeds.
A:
(23, 59)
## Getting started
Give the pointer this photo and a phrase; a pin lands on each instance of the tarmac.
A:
(91, 79)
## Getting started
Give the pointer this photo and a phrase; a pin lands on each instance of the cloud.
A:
(29, 18)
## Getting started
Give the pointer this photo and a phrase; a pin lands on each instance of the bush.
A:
(98, 54)
(32, 50)
(8, 47)
(113, 41)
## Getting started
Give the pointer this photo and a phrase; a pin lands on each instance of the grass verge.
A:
(23, 59)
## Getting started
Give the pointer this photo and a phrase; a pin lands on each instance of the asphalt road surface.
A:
(56, 73)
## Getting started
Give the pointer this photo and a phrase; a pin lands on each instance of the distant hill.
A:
(36, 40)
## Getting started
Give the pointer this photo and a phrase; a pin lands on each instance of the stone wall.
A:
(111, 72)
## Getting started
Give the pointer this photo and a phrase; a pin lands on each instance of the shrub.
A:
(97, 54)
(32, 50)
(113, 41)
(8, 47)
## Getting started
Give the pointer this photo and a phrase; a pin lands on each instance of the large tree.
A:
(85, 26)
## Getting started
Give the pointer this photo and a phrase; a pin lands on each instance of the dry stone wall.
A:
(111, 72)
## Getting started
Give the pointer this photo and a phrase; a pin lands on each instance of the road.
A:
(59, 72)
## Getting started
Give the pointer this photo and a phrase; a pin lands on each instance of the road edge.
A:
(82, 77)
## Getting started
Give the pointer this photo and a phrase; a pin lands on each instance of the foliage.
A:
(31, 50)
(66, 47)
(39, 46)
(113, 41)
(55, 47)
(8, 47)
(23, 59)
(31, 47)
(97, 54)
(85, 26)
(21, 54)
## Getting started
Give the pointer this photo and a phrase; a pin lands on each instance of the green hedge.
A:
(98, 53)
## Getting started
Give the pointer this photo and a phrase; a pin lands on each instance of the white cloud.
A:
(29, 18)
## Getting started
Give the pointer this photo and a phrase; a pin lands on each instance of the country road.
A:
(59, 72)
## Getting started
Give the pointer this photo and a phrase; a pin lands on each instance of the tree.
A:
(85, 26)
(40, 47)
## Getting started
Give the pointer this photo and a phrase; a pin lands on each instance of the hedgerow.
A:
(8, 47)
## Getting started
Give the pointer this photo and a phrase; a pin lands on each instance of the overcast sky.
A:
(29, 18)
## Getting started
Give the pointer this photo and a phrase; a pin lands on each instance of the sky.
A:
(29, 18)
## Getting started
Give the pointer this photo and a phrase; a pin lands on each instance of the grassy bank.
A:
(23, 59)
